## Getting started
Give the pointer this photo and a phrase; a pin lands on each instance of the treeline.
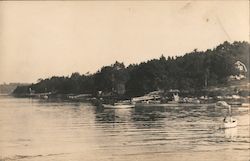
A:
(193, 71)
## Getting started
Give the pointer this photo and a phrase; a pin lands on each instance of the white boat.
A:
(221, 104)
(245, 105)
(230, 123)
(174, 104)
(118, 106)
(44, 97)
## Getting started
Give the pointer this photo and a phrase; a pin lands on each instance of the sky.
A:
(45, 38)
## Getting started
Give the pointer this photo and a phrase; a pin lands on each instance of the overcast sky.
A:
(42, 39)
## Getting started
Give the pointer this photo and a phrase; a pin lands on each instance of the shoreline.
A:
(111, 102)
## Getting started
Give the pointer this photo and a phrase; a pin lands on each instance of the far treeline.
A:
(193, 71)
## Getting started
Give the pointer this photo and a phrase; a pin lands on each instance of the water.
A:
(35, 130)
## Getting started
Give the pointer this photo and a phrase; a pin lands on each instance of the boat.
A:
(228, 122)
(146, 101)
(221, 104)
(174, 104)
(118, 106)
(80, 97)
(44, 97)
(245, 105)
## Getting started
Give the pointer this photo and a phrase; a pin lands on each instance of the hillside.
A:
(9, 88)
(194, 71)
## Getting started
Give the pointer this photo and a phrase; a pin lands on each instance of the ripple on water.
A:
(33, 130)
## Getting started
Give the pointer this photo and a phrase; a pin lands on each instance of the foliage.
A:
(193, 71)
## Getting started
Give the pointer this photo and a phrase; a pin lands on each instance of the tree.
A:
(193, 71)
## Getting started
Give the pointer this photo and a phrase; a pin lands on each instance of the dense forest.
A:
(193, 71)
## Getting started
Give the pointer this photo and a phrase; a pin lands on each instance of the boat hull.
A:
(172, 105)
(230, 124)
(117, 106)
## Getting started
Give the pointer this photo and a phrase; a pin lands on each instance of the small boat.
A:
(173, 104)
(44, 97)
(245, 105)
(230, 123)
(118, 106)
(221, 104)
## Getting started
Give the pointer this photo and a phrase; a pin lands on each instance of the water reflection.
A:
(231, 133)
(107, 116)
(148, 114)
(150, 117)
(35, 130)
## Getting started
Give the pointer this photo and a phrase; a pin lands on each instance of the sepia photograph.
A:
(124, 80)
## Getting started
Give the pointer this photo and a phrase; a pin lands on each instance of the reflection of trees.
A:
(105, 115)
(156, 117)
(149, 117)
(141, 117)
(112, 115)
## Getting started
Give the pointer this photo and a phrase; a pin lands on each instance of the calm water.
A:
(33, 130)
